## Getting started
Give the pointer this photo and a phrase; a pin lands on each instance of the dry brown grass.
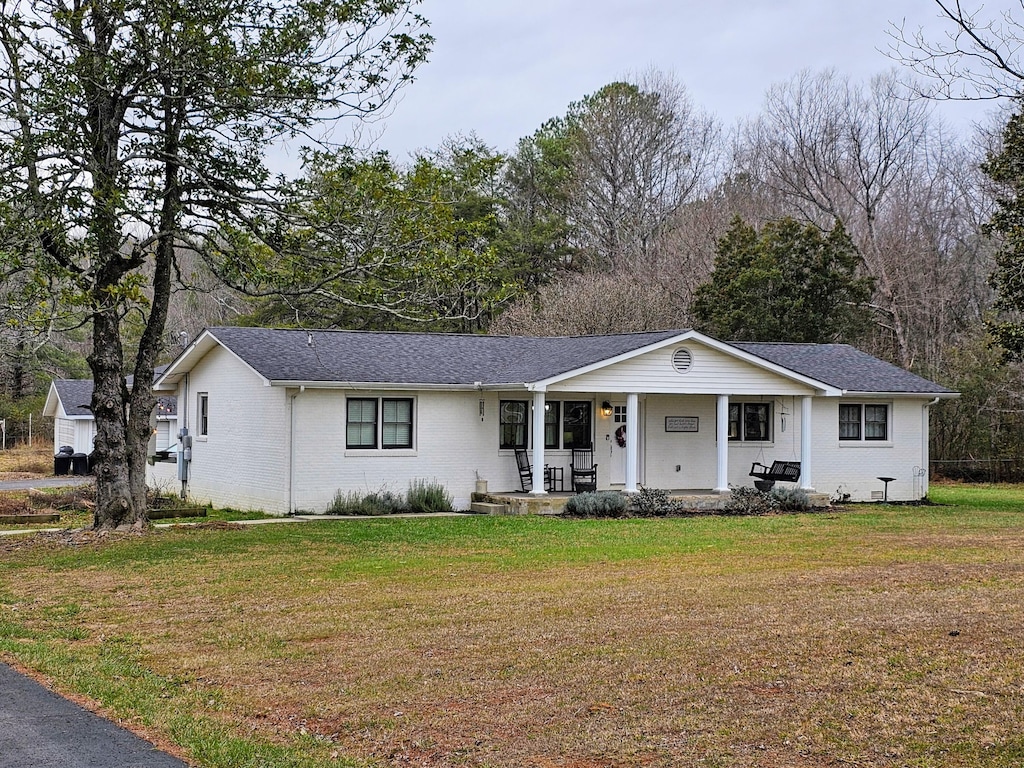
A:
(751, 643)
(24, 463)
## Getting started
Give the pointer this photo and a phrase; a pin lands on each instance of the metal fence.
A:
(979, 470)
(31, 430)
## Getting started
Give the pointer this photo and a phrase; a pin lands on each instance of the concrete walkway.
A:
(39, 728)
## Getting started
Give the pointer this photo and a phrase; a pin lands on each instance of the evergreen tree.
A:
(788, 282)
(1006, 168)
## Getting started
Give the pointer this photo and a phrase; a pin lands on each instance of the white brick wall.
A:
(243, 462)
(247, 461)
(452, 446)
(839, 467)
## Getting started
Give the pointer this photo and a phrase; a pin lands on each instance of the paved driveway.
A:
(39, 729)
(46, 482)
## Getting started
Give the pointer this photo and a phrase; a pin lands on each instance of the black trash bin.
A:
(80, 464)
(62, 464)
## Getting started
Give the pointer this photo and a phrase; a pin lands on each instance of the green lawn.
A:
(869, 636)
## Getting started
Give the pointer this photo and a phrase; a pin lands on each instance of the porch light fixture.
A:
(606, 408)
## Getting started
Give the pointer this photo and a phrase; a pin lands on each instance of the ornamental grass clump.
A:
(428, 497)
(597, 504)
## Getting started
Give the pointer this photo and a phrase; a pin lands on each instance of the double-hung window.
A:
(515, 428)
(862, 421)
(577, 424)
(750, 422)
(567, 424)
(384, 422)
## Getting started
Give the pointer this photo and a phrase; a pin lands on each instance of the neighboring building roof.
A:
(843, 366)
(366, 357)
(76, 397)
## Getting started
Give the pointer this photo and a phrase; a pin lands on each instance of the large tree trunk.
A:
(114, 507)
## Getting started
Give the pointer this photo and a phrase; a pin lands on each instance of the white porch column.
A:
(722, 481)
(806, 473)
(538, 445)
(632, 442)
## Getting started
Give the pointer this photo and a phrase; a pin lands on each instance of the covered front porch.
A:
(707, 441)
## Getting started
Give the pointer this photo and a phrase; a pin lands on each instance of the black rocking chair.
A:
(583, 470)
(526, 471)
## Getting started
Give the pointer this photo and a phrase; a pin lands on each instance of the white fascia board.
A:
(376, 385)
(52, 401)
(192, 354)
(902, 395)
(823, 389)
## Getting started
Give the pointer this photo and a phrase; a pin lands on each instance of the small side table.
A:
(554, 478)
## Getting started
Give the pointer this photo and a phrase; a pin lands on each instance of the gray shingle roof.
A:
(421, 358)
(844, 367)
(462, 359)
(75, 395)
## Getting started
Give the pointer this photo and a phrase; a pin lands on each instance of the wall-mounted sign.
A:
(682, 423)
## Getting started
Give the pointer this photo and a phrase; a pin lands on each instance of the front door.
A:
(617, 446)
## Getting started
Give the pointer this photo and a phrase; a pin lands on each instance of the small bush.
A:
(791, 499)
(746, 500)
(599, 504)
(652, 502)
(375, 503)
(427, 497)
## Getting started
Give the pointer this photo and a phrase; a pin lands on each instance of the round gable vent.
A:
(682, 360)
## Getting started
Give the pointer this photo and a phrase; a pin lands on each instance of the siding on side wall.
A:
(243, 462)
(63, 433)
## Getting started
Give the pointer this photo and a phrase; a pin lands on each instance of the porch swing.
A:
(779, 471)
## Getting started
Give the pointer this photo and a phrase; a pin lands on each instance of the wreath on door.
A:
(620, 436)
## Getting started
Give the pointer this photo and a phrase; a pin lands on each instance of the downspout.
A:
(183, 462)
(291, 450)
(925, 463)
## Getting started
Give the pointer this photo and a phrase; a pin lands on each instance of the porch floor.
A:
(552, 503)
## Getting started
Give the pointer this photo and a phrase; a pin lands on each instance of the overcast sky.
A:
(500, 68)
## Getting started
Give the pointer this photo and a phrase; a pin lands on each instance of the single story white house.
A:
(281, 420)
(69, 402)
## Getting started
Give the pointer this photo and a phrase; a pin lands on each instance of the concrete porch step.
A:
(488, 508)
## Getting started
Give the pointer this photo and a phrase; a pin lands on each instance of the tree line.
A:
(137, 207)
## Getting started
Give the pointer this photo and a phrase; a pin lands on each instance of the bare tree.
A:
(591, 303)
(876, 160)
(978, 57)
